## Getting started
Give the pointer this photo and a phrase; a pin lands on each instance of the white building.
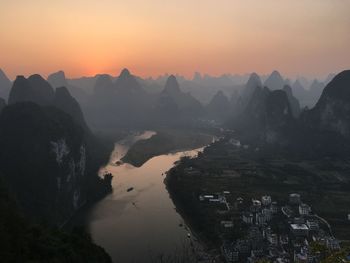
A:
(266, 200)
(304, 209)
(247, 218)
(273, 239)
(299, 230)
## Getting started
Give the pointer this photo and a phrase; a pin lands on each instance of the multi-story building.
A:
(304, 209)
(312, 225)
(294, 199)
(300, 230)
(247, 218)
(266, 200)
(274, 207)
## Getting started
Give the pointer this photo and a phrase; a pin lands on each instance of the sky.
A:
(152, 37)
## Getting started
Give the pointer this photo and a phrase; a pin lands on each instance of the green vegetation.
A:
(164, 142)
(21, 241)
(323, 183)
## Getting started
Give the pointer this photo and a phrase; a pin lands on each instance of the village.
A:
(281, 233)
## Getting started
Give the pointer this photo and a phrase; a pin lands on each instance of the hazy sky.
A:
(151, 37)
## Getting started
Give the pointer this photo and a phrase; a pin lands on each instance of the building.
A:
(273, 239)
(260, 219)
(243, 246)
(226, 224)
(284, 240)
(247, 218)
(299, 230)
(304, 209)
(274, 207)
(266, 200)
(267, 213)
(256, 206)
(294, 199)
(203, 198)
(230, 253)
(312, 225)
(332, 244)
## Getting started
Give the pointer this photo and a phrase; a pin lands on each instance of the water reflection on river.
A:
(134, 225)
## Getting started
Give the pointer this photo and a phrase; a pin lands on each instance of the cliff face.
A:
(266, 118)
(332, 111)
(293, 101)
(43, 159)
(48, 155)
(270, 118)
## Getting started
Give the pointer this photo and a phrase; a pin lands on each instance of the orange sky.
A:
(152, 37)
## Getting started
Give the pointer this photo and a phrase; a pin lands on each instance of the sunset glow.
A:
(152, 37)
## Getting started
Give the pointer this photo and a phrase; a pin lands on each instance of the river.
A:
(137, 225)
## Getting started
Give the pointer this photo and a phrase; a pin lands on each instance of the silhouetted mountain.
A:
(172, 86)
(293, 102)
(250, 87)
(267, 118)
(23, 241)
(185, 102)
(5, 85)
(2, 104)
(127, 83)
(35, 89)
(219, 107)
(47, 161)
(314, 93)
(332, 110)
(65, 102)
(253, 82)
(121, 104)
(58, 79)
(274, 81)
(299, 91)
(103, 86)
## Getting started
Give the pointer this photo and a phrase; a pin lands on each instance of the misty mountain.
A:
(122, 103)
(103, 86)
(5, 85)
(250, 87)
(186, 103)
(219, 107)
(293, 102)
(274, 81)
(298, 90)
(266, 119)
(314, 93)
(34, 89)
(58, 79)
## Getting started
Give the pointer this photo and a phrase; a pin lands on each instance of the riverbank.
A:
(163, 142)
(241, 174)
(143, 219)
